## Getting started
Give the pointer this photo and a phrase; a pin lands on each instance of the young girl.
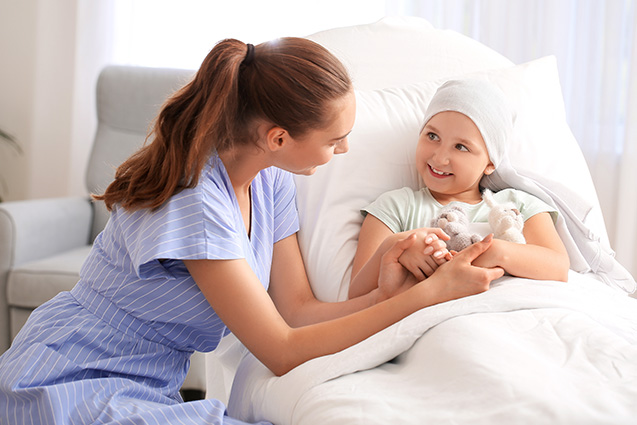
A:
(201, 242)
(467, 126)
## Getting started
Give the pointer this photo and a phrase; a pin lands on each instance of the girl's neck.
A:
(471, 198)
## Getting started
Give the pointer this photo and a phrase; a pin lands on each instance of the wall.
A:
(51, 58)
(18, 21)
(52, 52)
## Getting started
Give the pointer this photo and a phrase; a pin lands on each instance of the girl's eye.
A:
(432, 136)
(462, 147)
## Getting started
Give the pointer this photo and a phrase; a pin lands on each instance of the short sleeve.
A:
(392, 208)
(197, 223)
(528, 204)
(286, 216)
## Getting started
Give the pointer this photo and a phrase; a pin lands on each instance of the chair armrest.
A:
(35, 229)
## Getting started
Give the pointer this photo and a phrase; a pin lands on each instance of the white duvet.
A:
(524, 352)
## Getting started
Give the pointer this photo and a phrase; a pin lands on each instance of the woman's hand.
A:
(460, 277)
(427, 252)
(393, 278)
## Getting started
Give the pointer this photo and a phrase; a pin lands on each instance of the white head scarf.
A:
(484, 104)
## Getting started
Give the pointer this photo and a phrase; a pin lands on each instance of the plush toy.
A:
(455, 223)
(505, 219)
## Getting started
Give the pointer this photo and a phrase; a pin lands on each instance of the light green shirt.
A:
(406, 209)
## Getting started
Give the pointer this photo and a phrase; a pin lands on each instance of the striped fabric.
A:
(116, 348)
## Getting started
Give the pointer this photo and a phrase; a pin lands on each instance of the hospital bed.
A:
(524, 352)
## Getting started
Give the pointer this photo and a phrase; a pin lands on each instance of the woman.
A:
(202, 241)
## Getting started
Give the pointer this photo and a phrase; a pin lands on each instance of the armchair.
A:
(44, 242)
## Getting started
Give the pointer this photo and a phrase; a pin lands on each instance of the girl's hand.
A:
(460, 277)
(424, 256)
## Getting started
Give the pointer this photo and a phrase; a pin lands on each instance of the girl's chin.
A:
(434, 180)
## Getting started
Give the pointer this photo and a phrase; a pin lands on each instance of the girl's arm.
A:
(375, 238)
(272, 327)
(543, 256)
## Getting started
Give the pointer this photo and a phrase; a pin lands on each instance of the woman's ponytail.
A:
(289, 82)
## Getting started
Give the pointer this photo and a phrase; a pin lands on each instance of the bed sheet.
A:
(524, 352)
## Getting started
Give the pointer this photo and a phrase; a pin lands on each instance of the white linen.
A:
(587, 249)
(524, 352)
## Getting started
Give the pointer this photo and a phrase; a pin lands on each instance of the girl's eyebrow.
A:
(467, 142)
(464, 141)
(430, 127)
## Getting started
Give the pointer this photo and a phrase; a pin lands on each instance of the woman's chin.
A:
(306, 172)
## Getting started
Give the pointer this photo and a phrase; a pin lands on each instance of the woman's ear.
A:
(276, 138)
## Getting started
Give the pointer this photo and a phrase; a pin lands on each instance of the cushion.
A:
(401, 50)
(382, 157)
(34, 283)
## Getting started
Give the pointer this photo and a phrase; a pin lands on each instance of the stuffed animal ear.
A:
(487, 195)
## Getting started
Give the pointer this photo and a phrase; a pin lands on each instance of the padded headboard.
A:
(377, 54)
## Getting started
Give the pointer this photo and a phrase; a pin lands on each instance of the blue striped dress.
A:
(116, 348)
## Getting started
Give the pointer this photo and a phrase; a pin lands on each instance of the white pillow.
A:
(381, 158)
(401, 50)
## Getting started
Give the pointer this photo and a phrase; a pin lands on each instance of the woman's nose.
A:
(342, 147)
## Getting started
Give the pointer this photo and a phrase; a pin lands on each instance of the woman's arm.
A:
(291, 292)
(543, 256)
(239, 299)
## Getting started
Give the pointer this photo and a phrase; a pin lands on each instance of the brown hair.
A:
(289, 82)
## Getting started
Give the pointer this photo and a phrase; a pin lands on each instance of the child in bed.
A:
(467, 125)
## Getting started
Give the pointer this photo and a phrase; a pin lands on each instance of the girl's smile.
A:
(438, 173)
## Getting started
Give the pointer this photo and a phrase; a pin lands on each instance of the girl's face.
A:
(452, 157)
(319, 146)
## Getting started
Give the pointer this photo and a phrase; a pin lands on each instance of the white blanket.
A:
(524, 352)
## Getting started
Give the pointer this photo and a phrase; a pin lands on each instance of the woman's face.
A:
(319, 146)
(452, 157)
